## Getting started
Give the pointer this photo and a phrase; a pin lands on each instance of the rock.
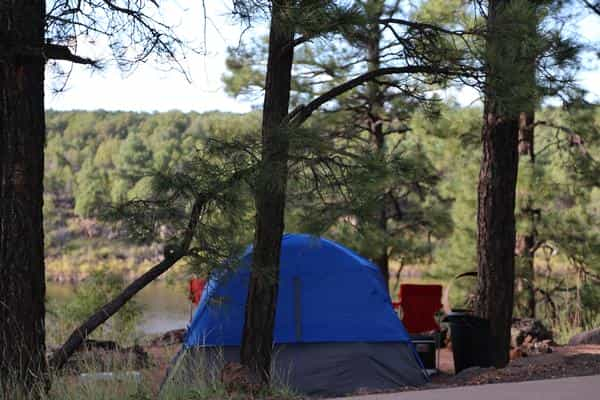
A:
(536, 348)
(168, 338)
(516, 353)
(472, 372)
(528, 330)
(589, 337)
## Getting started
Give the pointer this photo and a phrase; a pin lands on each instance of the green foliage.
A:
(90, 191)
(245, 73)
(452, 142)
(374, 189)
(441, 155)
(127, 157)
(100, 287)
(590, 306)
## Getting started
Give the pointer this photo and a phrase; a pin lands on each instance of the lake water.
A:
(165, 306)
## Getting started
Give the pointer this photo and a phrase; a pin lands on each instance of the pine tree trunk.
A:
(496, 231)
(375, 117)
(496, 202)
(22, 133)
(528, 239)
(259, 322)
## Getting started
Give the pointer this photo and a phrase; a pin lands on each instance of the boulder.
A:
(589, 337)
(528, 330)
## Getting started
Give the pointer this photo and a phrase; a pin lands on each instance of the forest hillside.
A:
(95, 160)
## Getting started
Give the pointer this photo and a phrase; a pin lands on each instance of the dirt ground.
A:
(161, 357)
(564, 361)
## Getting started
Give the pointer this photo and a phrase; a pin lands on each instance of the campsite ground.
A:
(564, 361)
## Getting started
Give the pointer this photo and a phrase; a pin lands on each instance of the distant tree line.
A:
(87, 170)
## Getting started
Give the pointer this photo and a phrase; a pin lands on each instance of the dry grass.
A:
(89, 381)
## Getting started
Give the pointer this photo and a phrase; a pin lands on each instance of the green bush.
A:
(95, 291)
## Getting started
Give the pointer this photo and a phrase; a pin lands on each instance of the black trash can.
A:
(470, 340)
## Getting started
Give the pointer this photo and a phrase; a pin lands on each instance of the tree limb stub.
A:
(60, 357)
(47, 52)
(56, 52)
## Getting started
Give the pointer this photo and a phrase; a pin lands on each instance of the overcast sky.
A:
(149, 88)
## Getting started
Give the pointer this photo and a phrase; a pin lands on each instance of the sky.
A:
(151, 88)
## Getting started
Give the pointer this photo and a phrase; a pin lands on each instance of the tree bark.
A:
(496, 231)
(496, 200)
(375, 116)
(270, 197)
(22, 136)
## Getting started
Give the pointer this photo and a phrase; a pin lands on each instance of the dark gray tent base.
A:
(316, 369)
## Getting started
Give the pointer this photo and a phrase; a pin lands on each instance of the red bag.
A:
(196, 289)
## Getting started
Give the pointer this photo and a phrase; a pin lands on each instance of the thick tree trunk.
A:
(496, 199)
(526, 241)
(496, 231)
(259, 321)
(22, 133)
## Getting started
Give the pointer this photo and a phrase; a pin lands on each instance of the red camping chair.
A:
(419, 305)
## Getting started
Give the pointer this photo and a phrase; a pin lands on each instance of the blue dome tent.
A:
(335, 329)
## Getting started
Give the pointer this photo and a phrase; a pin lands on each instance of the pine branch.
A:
(303, 112)
(595, 7)
(422, 26)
